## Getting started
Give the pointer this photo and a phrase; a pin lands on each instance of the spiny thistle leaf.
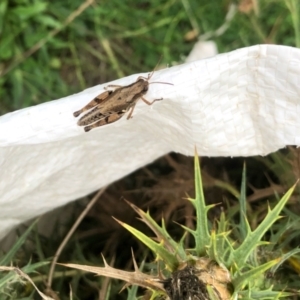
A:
(160, 232)
(263, 294)
(223, 224)
(219, 248)
(158, 249)
(253, 238)
(133, 278)
(201, 234)
(287, 256)
(252, 275)
(281, 233)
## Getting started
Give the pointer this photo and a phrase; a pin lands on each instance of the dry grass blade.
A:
(25, 276)
(66, 239)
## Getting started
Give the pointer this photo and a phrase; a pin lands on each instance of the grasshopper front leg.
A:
(131, 111)
(146, 101)
(150, 103)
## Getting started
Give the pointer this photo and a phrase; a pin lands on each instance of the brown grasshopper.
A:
(111, 105)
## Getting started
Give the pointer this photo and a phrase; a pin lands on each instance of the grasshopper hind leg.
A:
(99, 99)
(113, 117)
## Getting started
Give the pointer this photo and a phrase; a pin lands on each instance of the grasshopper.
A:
(111, 105)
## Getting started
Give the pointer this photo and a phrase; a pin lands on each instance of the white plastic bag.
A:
(242, 103)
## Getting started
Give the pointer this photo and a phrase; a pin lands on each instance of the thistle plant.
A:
(228, 260)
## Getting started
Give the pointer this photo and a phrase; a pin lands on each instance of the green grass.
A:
(51, 49)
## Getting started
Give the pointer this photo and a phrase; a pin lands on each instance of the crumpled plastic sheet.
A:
(242, 103)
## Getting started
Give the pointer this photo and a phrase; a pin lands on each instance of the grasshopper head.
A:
(143, 85)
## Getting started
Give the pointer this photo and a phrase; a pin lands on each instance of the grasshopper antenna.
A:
(161, 82)
(150, 75)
